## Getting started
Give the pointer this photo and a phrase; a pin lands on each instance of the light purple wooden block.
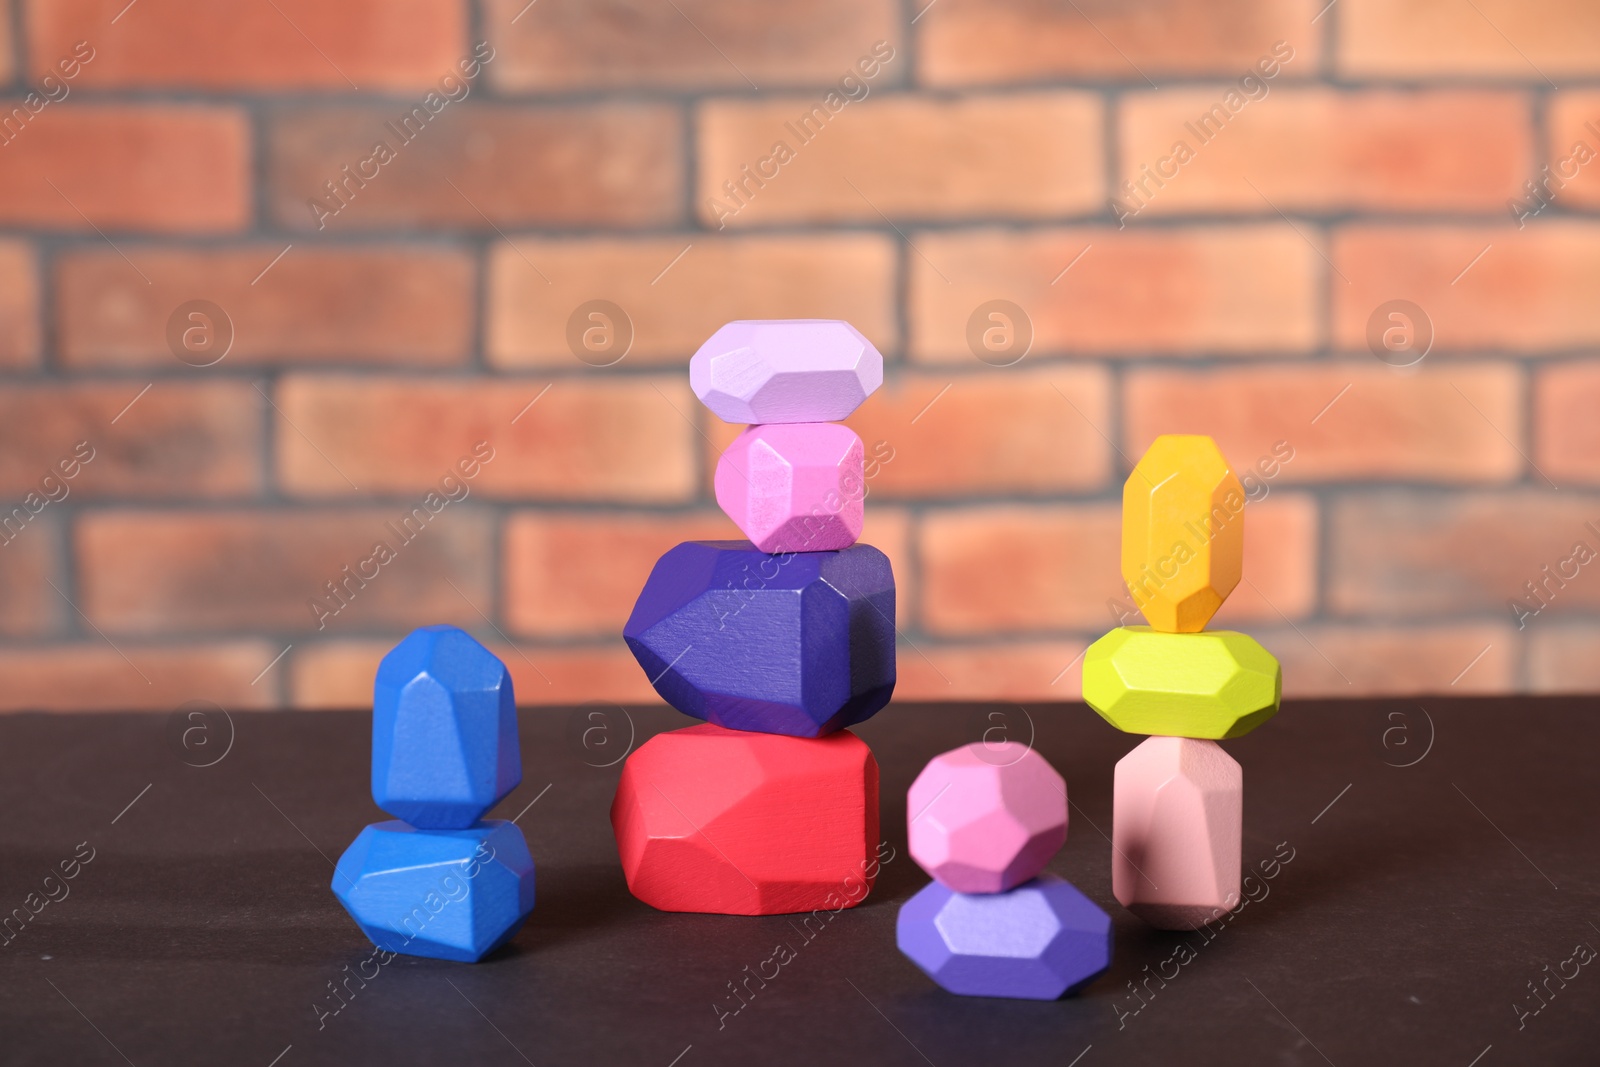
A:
(1038, 941)
(785, 370)
(795, 488)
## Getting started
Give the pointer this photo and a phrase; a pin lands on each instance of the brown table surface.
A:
(1444, 853)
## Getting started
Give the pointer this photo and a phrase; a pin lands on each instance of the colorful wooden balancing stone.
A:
(444, 730)
(984, 820)
(1215, 684)
(742, 823)
(795, 487)
(1182, 532)
(449, 894)
(778, 642)
(1175, 843)
(1039, 941)
(800, 644)
(438, 882)
(785, 371)
(1178, 815)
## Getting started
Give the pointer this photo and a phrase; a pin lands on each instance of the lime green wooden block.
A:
(1213, 684)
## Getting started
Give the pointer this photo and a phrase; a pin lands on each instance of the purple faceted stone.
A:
(799, 643)
(785, 370)
(1039, 941)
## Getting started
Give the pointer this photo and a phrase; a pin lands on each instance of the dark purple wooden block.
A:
(798, 643)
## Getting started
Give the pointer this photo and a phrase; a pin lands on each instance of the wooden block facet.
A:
(795, 487)
(986, 817)
(1182, 532)
(1210, 685)
(1176, 824)
(785, 370)
(1039, 941)
(738, 823)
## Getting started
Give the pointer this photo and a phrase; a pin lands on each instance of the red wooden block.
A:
(740, 823)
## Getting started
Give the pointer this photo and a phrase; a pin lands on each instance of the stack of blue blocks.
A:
(436, 881)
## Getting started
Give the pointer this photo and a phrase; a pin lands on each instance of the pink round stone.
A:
(985, 818)
(794, 487)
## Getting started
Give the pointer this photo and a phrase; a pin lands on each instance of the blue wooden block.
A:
(1039, 941)
(448, 894)
(444, 730)
(798, 643)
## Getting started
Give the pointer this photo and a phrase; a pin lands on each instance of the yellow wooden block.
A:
(1182, 532)
(1210, 685)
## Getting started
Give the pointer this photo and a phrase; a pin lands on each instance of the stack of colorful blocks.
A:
(783, 641)
(436, 881)
(1178, 805)
(984, 820)
(779, 643)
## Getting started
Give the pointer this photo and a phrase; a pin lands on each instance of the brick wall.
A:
(1197, 211)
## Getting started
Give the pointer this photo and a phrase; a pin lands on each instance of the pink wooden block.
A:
(795, 487)
(1176, 826)
(984, 818)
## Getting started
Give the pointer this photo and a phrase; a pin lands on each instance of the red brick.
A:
(394, 305)
(890, 530)
(1248, 289)
(1566, 433)
(965, 42)
(1330, 660)
(1005, 432)
(626, 439)
(904, 156)
(19, 305)
(7, 57)
(673, 303)
(571, 575)
(1561, 657)
(1014, 670)
(1533, 289)
(605, 165)
(582, 675)
(1404, 555)
(1004, 570)
(338, 674)
(146, 572)
(91, 676)
(568, 44)
(1280, 563)
(716, 436)
(28, 565)
(1573, 118)
(577, 575)
(258, 44)
(1319, 150)
(177, 169)
(178, 440)
(1528, 40)
(1453, 422)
